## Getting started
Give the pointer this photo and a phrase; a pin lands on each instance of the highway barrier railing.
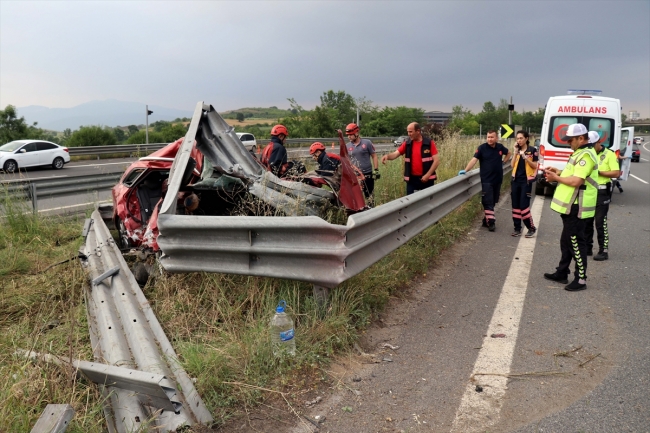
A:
(35, 189)
(145, 149)
(306, 248)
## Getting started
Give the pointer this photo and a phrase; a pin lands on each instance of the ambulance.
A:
(597, 113)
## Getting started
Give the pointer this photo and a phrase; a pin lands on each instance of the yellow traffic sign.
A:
(506, 130)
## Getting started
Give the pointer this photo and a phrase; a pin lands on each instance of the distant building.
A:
(634, 115)
(437, 117)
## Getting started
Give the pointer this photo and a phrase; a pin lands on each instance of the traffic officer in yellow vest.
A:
(575, 201)
(607, 169)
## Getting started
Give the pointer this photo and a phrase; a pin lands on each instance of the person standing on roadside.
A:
(575, 200)
(362, 151)
(492, 156)
(420, 159)
(607, 169)
(524, 167)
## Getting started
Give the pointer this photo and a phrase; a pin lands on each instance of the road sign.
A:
(506, 130)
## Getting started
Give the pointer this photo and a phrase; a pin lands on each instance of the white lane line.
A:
(643, 159)
(97, 165)
(638, 178)
(480, 410)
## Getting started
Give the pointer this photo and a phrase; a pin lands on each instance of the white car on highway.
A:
(247, 139)
(32, 153)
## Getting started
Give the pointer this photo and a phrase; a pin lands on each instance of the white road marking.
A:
(643, 159)
(638, 178)
(480, 410)
(97, 165)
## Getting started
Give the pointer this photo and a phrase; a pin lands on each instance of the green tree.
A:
(92, 136)
(240, 117)
(159, 125)
(120, 135)
(343, 104)
(133, 129)
(140, 138)
(171, 133)
(392, 121)
(11, 126)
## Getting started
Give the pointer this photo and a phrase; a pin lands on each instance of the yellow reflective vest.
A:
(584, 161)
(530, 171)
(606, 162)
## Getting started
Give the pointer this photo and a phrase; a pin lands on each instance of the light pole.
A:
(146, 133)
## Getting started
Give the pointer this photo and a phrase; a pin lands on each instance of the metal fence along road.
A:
(151, 147)
(33, 189)
(306, 248)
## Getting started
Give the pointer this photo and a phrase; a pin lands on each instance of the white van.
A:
(597, 113)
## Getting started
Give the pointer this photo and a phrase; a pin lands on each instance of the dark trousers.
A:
(602, 207)
(415, 184)
(490, 197)
(368, 185)
(573, 245)
(520, 194)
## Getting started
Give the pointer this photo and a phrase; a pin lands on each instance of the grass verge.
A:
(217, 323)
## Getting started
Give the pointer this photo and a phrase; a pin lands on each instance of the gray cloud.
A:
(234, 54)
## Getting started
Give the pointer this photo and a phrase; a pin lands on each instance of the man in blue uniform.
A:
(492, 156)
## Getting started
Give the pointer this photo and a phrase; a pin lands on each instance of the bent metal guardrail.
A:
(306, 248)
(296, 248)
(125, 333)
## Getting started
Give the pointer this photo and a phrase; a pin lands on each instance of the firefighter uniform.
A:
(575, 205)
(606, 162)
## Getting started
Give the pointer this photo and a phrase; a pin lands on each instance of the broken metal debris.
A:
(314, 401)
(390, 346)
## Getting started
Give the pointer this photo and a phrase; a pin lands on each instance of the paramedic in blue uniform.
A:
(492, 156)
(524, 168)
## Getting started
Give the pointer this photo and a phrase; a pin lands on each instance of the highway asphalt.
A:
(581, 362)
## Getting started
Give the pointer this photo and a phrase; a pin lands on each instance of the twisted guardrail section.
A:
(125, 332)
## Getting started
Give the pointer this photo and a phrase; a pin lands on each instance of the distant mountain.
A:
(110, 112)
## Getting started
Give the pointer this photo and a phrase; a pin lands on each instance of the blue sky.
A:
(427, 54)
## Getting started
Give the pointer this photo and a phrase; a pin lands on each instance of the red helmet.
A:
(352, 128)
(316, 146)
(279, 129)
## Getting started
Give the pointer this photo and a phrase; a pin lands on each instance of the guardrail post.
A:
(54, 419)
(32, 191)
(321, 294)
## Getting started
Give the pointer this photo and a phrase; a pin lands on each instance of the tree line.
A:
(13, 127)
(336, 110)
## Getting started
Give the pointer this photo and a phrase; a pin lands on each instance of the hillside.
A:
(257, 113)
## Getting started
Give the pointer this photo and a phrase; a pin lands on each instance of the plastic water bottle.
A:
(282, 333)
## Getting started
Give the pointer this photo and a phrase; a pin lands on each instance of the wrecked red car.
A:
(210, 172)
(139, 191)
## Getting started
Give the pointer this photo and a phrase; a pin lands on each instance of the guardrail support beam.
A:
(33, 192)
(54, 419)
(321, 294)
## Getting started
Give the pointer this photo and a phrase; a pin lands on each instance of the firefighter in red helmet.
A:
(274, 156)
(325, 163)
(362, 154)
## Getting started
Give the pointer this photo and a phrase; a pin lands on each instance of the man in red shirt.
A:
(420, 159)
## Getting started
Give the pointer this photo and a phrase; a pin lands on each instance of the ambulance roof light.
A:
(583, 92)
